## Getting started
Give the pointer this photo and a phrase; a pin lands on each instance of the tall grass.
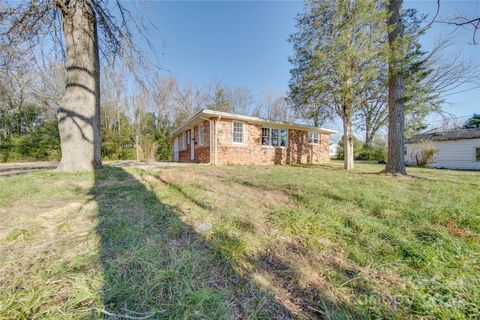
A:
(285, 242)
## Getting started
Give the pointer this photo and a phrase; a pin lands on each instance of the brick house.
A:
(226, 138)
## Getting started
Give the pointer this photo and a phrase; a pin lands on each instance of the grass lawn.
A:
(286, 242)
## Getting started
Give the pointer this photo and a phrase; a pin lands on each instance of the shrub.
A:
(357, 148)
(423, 153)
(43, 143)
(377, 150)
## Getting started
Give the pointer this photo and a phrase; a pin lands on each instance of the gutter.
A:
(216, 137)
(210, 137)
(289, 125)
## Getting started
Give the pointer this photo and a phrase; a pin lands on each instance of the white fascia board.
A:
(273, 123)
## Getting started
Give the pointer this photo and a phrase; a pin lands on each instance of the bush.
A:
(376, 151)
(357, 148)
(423, 153)
(40, 144)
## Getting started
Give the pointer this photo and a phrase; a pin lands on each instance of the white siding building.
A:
(456, 149)
(333, 150)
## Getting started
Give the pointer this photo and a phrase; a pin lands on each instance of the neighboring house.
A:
(225, 138)
(455, 149)
(333, 150)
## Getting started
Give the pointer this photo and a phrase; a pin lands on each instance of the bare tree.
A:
(281, 110)
(139, 105)
(439, 77)
(16, 84)
(465, 21)
(72, 26)
(447, 74)
(164, 90)
(218, 98)
(241, 99)
(50, 85)
(113, 90)
(372, 112)
(187, 100)
(274, 106)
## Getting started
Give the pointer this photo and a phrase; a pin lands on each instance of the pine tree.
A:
(336, 47)
(473, 122)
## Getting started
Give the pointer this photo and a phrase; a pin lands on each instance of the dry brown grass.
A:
(285, 242)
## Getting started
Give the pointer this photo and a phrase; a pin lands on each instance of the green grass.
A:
(286, 242)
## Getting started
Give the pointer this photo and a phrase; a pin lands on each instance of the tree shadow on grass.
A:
(155, 266)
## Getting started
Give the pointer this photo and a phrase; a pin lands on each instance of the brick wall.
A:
(252, 151)
(201, 152)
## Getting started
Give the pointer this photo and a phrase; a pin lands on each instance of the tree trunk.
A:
(79, 114)
(368, 136)
(137, 146)
(396, 88)
(348, 161)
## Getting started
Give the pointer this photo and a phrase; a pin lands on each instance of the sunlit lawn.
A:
(285, 242)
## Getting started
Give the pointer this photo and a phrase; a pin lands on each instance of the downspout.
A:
(216, 137)
(210, 137)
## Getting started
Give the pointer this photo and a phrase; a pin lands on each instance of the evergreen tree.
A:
(336, 47)
(473, 122)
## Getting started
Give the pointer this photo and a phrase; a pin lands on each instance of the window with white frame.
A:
(313, 137)
(274, 137)
(237, 132)
(266, 136)
(201, 134)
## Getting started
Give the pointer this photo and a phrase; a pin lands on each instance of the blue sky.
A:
(240, 43)
(245, 42)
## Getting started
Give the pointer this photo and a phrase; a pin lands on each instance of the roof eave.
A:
(206, 112)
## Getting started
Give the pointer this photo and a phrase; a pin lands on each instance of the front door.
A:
(192, 145)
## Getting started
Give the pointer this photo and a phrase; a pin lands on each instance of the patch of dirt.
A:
(454, 229)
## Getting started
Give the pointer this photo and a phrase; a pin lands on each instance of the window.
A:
(313, 137)
(477, 154)
(274, 137)
(266, 136)
(274, 141)
(283, 138)
(201, 133)
(237, 133)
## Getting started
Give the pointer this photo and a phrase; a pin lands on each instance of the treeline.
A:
(137, 114)
(340, 69)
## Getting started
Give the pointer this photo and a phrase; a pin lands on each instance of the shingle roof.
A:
(446, 135)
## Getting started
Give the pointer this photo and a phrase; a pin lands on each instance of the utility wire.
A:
(448, 119)
(461, 91)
